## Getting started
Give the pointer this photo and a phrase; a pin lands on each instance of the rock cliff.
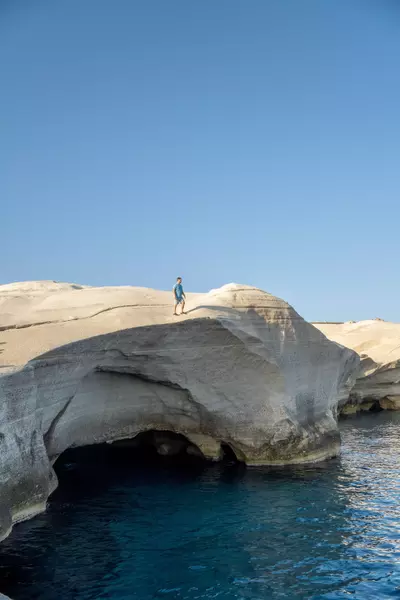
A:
(378, 380)
(86, 365)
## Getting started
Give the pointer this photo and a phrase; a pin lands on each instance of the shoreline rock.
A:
(93, 365)
(377, 384)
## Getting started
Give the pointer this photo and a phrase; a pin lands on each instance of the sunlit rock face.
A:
(378, 379)
(241, 370)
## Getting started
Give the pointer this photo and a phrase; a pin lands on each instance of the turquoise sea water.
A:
(117, 531)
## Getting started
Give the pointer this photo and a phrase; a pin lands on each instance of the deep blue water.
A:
(120, 532)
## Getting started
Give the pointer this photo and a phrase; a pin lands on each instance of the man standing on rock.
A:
(179, 296)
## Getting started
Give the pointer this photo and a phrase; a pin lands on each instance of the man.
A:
(179, 296)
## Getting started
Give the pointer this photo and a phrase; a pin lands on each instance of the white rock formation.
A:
(88, 365)
(378, 344)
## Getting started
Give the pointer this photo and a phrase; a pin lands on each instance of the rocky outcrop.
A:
(378, 380)
(88, 365)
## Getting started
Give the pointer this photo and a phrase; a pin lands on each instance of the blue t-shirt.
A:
(178, 290)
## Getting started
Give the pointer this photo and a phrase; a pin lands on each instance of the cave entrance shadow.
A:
(228, 455)
(149, 457)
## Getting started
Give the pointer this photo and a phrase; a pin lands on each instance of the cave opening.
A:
(148, 456)
(376, 407)
(228, 454)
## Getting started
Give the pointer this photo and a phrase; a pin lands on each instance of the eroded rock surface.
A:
(378, 380)
(89, 365)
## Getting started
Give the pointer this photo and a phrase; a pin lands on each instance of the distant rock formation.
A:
(378, 380)
(242, 370)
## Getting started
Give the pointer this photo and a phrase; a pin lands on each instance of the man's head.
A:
(179, 279)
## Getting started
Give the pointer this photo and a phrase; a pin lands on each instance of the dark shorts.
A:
(179, 299)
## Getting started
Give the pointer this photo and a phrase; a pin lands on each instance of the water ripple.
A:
(325, 532)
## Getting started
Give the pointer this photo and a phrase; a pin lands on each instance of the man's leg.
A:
(175, 307)
(183, 307)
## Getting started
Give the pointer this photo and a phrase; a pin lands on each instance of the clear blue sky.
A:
(221, 140)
